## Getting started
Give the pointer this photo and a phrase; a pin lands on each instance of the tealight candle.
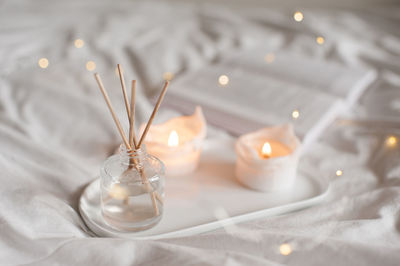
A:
(177, 142)
(267, 159)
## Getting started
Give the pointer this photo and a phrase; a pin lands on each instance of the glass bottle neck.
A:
(129, 157)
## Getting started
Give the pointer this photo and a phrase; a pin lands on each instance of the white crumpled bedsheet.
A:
(55, 130)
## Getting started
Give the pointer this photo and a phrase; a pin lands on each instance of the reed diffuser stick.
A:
(132, 135)
(153, 114)
(107, 99)
(126, 101)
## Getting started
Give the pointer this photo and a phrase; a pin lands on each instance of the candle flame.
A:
(266, 150)
(173, 139)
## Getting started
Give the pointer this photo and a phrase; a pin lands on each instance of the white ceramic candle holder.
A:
(261, 172)
(177, 142)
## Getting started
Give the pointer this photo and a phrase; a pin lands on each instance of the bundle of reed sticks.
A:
(131, 142)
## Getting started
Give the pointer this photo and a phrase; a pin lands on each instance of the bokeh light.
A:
(43, 62)
(79, 43)
(223, 80)
(90, 65)
(320, 40)
(295, 114)
(298, 16)
(391, 141)
(285, 249)
(269, 58)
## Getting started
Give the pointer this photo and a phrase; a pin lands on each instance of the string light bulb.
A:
(223, 80)
(285, 249)
(298, 16)
(391, 141)
(90, 65)
(295, 114)
(320, 40)
(43, 62)
(79, 43)
(339, 172)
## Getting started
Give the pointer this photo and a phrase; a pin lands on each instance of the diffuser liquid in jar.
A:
(132, 190)
(131, 206)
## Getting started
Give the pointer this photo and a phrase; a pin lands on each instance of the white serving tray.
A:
(209, 198)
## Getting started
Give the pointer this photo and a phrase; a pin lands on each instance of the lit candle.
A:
(273, 148)
(177, 142)
(173, 139)
(267, 159)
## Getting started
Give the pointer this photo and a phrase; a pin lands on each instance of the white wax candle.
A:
(177, 142)
(267, 159)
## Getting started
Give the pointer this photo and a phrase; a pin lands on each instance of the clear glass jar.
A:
(132, 190)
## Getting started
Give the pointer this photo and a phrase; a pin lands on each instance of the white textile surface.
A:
(55, 130)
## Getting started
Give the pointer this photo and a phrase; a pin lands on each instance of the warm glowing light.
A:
(90, 65)
(173, 139)
(223, 80)
(320, 40)
(269, 58)
(117, 192)
(285, 249)
(79, 43)
(168, 76)
(266, 150)
(391, 141)
(43, 62)
(339, 172)
(298, 16)
(295, 114)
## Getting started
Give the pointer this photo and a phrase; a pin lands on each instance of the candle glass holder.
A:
(178, 142)
(273, 173)
(132, 190)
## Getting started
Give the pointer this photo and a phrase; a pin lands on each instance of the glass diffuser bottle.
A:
(132, 190)
(131, 183)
